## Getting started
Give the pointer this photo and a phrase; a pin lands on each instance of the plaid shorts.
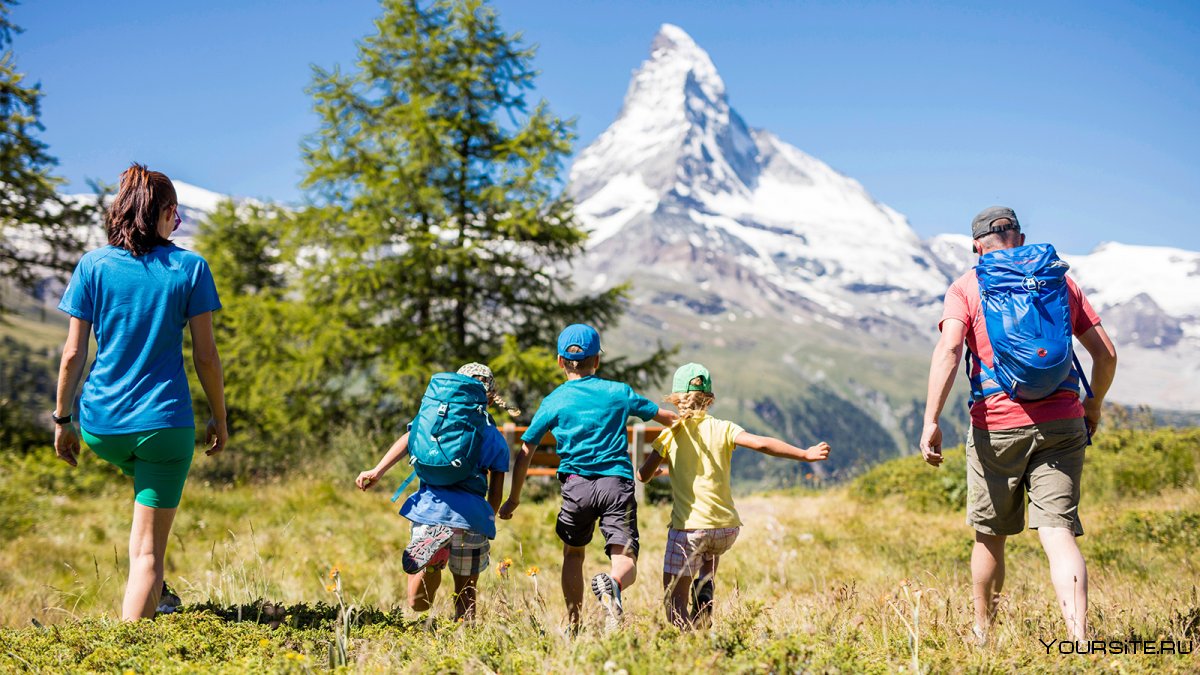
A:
(688, 550)
(468, 552)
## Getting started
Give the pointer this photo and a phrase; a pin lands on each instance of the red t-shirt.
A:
(998, 411)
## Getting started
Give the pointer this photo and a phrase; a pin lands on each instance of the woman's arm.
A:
(208, 367)
(369, 478)
(650, 466)
(777, 448)
(70, 371)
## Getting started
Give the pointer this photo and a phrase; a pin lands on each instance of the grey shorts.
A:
(607, 499)
(1043, 461)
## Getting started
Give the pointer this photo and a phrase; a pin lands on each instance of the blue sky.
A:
(1082, 115)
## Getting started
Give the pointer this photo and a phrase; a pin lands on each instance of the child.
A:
(451, 525)
(587, 416)
(704, 523)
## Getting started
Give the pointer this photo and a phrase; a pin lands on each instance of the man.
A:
(1017, 446)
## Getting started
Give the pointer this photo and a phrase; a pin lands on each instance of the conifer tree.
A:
(41, 233)
(438, 223)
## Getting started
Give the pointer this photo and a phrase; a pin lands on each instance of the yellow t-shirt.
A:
(699, 451)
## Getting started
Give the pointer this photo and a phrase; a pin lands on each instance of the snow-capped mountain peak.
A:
(679, 165)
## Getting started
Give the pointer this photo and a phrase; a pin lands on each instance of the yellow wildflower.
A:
(532, 571)
(264, 642)
(331, 588)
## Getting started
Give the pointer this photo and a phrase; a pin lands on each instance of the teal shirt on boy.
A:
(587, 417)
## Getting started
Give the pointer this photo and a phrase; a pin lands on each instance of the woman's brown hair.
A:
(132, 220)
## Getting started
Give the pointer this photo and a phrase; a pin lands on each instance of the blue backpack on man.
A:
(445, 441)
(1027, 311)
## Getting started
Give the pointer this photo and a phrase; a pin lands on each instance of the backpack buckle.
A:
(442, 409)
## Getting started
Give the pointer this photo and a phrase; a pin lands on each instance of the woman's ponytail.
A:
(132, 219)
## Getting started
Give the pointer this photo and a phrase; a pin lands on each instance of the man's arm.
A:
(524, 457)
(1104, 369)
(942, 369)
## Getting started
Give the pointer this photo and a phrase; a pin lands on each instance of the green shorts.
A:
(158, 460)
(1041, 461)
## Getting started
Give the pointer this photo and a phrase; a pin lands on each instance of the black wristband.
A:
(60, 420)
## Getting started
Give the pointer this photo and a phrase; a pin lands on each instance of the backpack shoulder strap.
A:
(405, 484)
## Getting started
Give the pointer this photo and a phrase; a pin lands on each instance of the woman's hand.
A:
(367, 479)
(508, 507)
(66, 443)
(216, 435)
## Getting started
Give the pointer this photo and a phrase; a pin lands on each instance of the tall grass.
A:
(861, 578)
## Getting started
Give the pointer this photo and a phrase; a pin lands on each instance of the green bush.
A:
(915, 483)
(1121, 463)
(1129, 462)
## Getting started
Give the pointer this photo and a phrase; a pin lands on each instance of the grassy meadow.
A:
(866, 577)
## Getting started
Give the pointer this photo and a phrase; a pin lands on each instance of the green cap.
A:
(686, 379)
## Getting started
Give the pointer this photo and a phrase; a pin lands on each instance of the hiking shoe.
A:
(422, 550)
(608, 592)
(702, 601)
(168, 601)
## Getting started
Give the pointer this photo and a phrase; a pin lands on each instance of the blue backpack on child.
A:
(1028, 317)
(445, 441)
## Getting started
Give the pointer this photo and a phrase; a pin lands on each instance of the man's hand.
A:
(367, 480)
(931, 443)
(818, 452)
(216, 435)
(66, 444)
(507, 508)
(1093, 408)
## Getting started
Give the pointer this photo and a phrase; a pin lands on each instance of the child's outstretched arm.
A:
(666, 417)
(369, 478)
(524, 457)
(650, 466)
(777, 448)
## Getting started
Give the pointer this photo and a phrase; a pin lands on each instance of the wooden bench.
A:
(545, 461)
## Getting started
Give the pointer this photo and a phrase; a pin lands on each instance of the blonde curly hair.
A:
(484, 374)
(691, 403)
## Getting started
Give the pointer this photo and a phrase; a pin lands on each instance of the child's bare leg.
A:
(572, 581)
(465, 594)
(677, 589)
(708, 573)
(422, 586)
(624, 565)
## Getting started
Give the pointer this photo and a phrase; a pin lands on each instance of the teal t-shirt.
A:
(138, 307)
(587, 417)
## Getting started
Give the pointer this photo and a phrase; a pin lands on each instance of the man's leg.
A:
(1068, 573)
(465, 595)
(987, 578)
(422, 587)
(572, 581)
(1054, 475)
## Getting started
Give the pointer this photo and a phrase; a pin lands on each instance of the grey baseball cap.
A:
(983, 222)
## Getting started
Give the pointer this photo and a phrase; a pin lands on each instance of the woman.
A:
(137, 293)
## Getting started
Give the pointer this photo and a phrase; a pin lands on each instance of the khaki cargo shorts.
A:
(1044, 461)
